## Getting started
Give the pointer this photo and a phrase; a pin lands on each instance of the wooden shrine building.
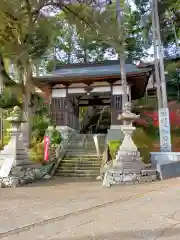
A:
(95, 84)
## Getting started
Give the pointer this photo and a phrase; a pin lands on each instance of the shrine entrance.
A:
(94, 87)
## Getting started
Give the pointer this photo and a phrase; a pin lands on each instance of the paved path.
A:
(57, 210)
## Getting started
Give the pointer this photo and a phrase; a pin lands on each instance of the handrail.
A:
(63, 147)
(100, 117)
(90, 128)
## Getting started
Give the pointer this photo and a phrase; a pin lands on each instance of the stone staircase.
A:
(81, 159)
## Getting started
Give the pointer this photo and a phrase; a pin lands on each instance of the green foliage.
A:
(36, 153)
(82, 112)
(39, 128)
(168, 11)
(143, 142)
(8, 99)
(113, 147)
(152, 132)
(173, 81)
(6, 126)
(92, 23)
(56, 137)
(23, 32)
(40, 118)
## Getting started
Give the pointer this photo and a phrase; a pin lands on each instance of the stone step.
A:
(81, 176)
(78, 163)
(78, 174)
(83, 157)
(81, 170)
(81, 150)
(79, 166)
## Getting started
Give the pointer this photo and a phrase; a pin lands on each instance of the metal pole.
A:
(119, 12)
(156, 62)
(161, 56)
(163, 112)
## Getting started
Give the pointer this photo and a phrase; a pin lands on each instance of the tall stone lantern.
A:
(128, 157)
(15, 149)
(128, 164)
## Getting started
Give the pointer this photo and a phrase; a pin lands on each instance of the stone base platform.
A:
(21, 175)
(118, 176)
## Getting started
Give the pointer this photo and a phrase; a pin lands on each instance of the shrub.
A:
(144, 144)
(113, 147)
(39, 129)
(56, 137)
(36, 153)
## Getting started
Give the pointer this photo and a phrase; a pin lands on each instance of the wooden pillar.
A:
(116, 106)
(73, 112)
(116, 109)
(59, 111)
(64, 110)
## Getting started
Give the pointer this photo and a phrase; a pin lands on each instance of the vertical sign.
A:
(46, 147)
(164, 130)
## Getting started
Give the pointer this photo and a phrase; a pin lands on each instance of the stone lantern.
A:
(128, 164)
(128, 157)
(15, 149)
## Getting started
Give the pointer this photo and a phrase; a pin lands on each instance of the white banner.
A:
(164, 130)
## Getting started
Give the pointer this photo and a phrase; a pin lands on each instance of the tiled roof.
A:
(100, 70)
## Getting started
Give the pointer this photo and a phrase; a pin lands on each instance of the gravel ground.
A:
(60, 209)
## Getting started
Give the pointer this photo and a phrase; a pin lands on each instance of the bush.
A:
(5, 141)
(39, 129)
(56, 137)
(113, 147)
(144, 144)
(36, 153)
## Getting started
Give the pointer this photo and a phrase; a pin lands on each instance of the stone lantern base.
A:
(128, 165)
(128, 157)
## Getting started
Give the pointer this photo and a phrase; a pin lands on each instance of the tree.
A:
(71, 47)
(120, 35)
(173, 80)
(93, 24)
(169, 14)
(25, 34)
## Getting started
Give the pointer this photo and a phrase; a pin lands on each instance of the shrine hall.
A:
(95, 87)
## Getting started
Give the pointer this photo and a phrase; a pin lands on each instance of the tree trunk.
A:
(120, 18)
(123, 81)
(27, 104)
